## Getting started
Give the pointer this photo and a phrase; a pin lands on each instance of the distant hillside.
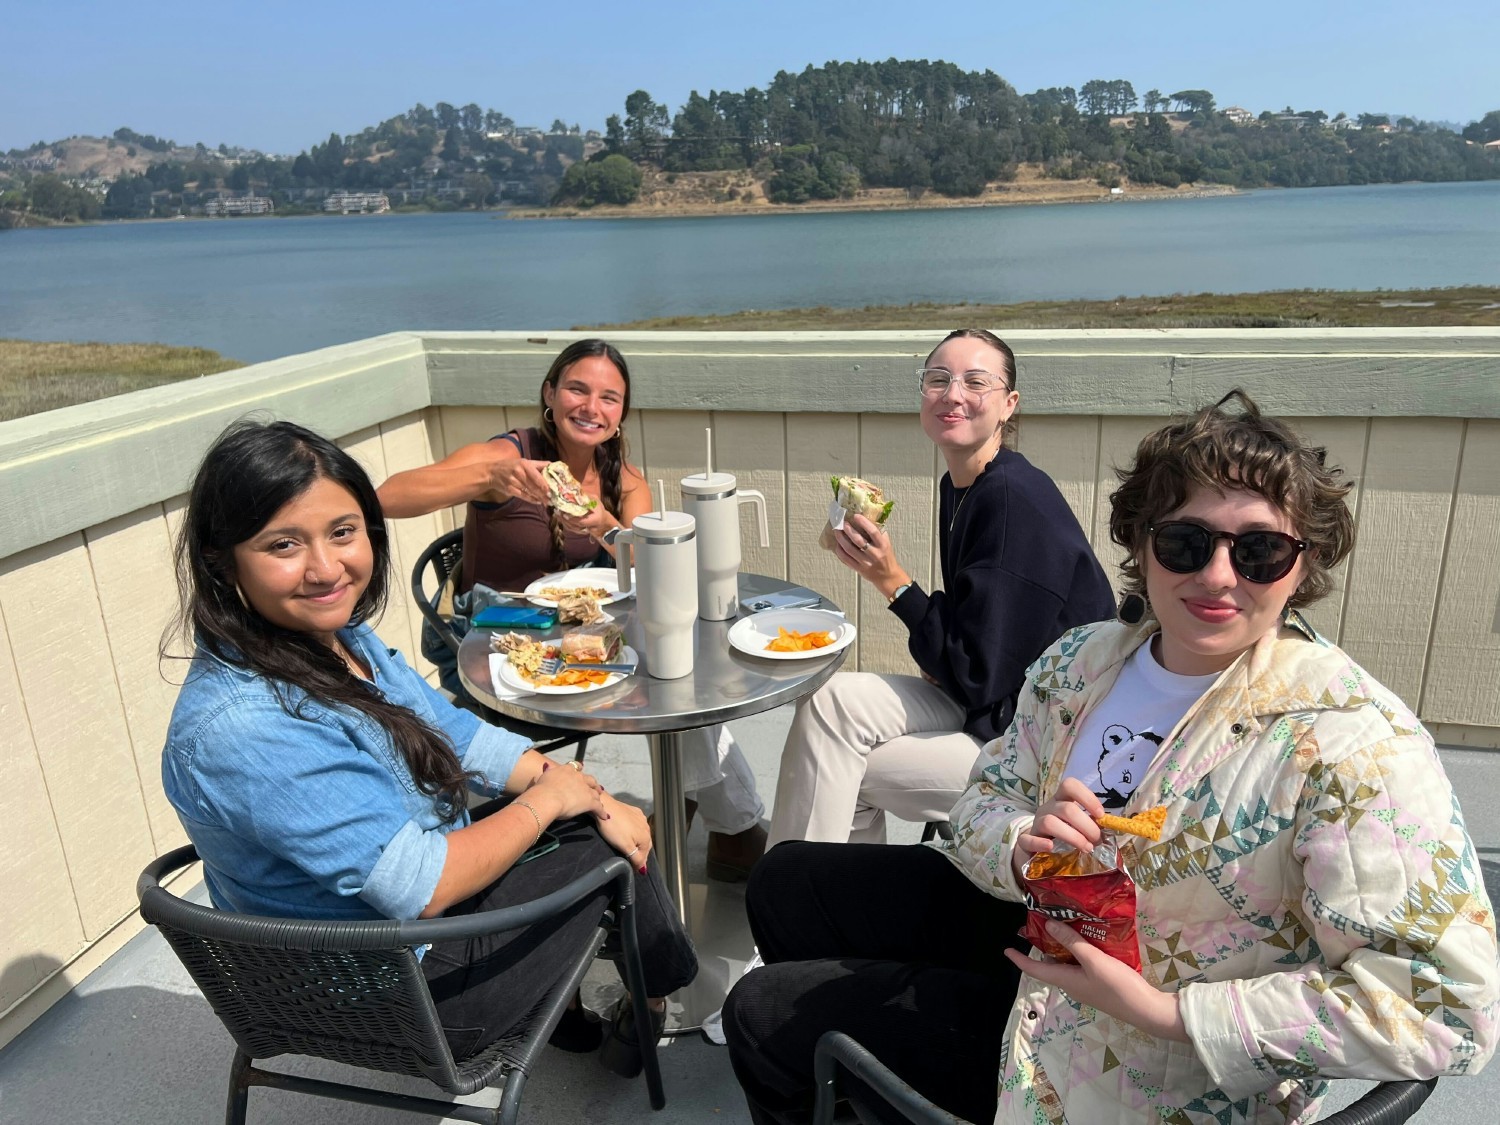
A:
(833, 135)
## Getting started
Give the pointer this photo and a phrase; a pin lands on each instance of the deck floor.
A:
(136, 1042)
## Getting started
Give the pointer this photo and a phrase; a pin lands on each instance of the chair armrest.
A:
(836, 1049)
(1386, 1104)
(161, 905)
(424, 931)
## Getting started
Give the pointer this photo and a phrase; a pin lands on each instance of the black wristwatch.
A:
(609, 537)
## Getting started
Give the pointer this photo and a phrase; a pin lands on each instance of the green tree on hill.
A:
(615, 179)
(1485, 130)
(645, 122)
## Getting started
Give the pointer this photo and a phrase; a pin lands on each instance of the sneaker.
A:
(713, 1024)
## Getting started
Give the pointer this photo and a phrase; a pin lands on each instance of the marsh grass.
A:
(37, 376)
(1293, 308)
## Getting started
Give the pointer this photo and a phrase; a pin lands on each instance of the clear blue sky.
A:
(280, 76)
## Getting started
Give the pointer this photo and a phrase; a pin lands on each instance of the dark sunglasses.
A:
(1257, 556)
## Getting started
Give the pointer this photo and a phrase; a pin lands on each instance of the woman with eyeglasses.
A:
(1313, 908)
(1017, 572)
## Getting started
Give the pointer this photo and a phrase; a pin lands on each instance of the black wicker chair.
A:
(1387, 1104)
(354, 992)
(443, 557)
(934, 828)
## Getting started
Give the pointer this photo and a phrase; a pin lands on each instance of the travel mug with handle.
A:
(713, 500)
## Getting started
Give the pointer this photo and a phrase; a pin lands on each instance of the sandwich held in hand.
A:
(565, 493)
(860, 497)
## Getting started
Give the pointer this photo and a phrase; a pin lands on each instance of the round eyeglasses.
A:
(1261, 557)
(935, 381)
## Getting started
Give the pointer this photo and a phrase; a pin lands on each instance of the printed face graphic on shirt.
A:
(1123, 757)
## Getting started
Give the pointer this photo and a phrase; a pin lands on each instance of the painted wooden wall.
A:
(90, 497)
(84, 706)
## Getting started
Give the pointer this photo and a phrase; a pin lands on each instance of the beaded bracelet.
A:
(527, 806)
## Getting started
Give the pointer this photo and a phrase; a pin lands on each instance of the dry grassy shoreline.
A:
(1295, 308)
(37, 376)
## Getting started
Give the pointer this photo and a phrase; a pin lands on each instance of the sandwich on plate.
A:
(565, 493)
(595, 644)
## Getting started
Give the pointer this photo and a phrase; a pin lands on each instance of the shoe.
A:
(578, 1032)
(621, 1052)
(689, 806)
(730, 858)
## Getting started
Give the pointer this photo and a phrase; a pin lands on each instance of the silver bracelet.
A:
(527, 806)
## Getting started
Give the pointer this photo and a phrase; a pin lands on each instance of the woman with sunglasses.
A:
(1313, 908)
(1017, 571)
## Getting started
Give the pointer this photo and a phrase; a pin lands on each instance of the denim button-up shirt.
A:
(316, 815)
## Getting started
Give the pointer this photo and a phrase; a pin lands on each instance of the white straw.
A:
(708, 433)
(661, 496)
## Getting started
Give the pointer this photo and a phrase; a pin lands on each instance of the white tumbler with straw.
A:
(666, 565)
(713, 500)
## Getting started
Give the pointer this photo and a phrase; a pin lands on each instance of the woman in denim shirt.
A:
(319, 776)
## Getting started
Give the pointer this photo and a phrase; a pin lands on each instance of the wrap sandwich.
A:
(860, 497)
(565, 493)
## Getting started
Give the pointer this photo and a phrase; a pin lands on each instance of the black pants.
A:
(890, 944)
(483, 986)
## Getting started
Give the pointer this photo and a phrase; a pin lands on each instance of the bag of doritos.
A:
(1090, 891)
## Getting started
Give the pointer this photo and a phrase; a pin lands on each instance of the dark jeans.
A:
(890, 944)
(484, 986)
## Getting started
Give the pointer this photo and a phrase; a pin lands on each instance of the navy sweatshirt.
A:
(1017, 574)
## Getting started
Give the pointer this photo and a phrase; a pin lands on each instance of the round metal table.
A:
(725, 684)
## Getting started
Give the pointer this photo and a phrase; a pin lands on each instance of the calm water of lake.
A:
(257, 288)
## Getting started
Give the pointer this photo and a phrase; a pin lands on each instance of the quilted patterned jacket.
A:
(1315, 899)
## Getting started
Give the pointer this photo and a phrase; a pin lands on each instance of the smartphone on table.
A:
(798, 597)
(515, 617)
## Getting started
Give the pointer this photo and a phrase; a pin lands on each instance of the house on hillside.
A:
(359, 202)
(226, 205)
(1239, 115)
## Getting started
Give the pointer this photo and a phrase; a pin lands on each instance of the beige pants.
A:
(864, 745)
(716, 775)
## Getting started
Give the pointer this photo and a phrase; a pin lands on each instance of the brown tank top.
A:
(507, 546)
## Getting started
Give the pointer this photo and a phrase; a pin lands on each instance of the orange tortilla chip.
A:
(574, 677)
(1147, 823)
(789, 640)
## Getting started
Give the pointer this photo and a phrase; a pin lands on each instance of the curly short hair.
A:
(1216, 449)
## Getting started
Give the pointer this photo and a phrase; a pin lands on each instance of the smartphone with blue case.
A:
(515, 617)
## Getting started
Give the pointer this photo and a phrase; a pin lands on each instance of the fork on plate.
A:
(555, 664)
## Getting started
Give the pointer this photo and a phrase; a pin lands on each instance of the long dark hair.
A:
(249, 474)
(609, 456)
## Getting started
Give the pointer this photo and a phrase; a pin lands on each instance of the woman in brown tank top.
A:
(511, 536)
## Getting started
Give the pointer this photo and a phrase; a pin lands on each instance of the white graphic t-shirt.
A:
(1121, 735)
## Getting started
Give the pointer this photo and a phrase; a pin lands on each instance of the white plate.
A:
(751, 634)
(600, 578)
(516, 682)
